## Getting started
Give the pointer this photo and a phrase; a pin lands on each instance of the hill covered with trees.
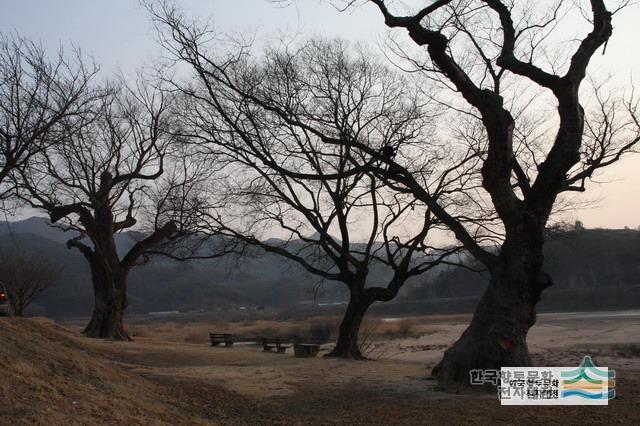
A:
(590, 268)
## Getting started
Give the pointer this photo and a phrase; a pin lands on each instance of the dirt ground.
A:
(169, 375)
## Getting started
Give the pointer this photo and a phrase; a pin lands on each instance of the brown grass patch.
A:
(45, 373)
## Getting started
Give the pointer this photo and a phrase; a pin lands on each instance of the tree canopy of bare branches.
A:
(490, 55)
(268, 121)
(25, 276)
(96, 180)
(36, 94)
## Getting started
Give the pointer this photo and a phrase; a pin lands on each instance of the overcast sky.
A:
(118, 34)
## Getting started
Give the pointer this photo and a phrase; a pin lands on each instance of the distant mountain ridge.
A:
(41, 227)
(165, 284)
(590, 268)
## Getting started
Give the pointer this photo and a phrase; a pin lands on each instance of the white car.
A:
(4, 303)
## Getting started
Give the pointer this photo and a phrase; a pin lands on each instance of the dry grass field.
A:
(169, 375)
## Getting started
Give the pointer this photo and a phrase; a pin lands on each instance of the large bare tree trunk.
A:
(109, 274)
(110, 302)
(347, 343)
(497, 335)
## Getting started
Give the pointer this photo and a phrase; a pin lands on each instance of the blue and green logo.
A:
(588, 381)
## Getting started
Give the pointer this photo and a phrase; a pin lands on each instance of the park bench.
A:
(306, 350)
(269, 344)
(218, 338)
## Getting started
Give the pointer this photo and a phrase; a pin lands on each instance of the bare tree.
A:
(268, 121)
(95, 180)
(487, 52)
(37, 91)
(25, 276)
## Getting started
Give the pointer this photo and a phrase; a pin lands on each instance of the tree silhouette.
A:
(25, 276)
(267, 120)
(37, 93)
(95, 181)
(486, 52)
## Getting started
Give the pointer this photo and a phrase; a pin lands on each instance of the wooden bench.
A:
(269, 344)
(218, 338)
(306, 350)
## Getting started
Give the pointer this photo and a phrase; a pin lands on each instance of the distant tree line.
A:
(603, 261)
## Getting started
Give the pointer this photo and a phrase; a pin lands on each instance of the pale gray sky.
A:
(117, 33)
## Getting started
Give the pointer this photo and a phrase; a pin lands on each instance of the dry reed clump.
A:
(375, 334)
(322, 328)
(325, 328)
(318, 329)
